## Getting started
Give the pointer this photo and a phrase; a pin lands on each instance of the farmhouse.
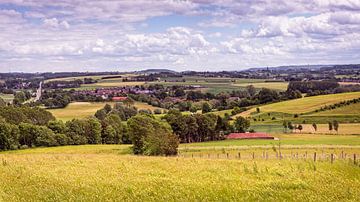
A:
(249, 136)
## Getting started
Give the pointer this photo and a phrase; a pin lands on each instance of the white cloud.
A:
(55, 23)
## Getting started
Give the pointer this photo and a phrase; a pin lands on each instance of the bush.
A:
(157, 111)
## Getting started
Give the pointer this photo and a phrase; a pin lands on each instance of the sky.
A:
(200, 35)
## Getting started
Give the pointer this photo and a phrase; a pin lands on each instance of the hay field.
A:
(104, 172)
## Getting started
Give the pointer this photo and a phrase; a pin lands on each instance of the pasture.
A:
(86, 109)
(108, 172)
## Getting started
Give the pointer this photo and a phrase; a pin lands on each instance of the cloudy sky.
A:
(121, 35)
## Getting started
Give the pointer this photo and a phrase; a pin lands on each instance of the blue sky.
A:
(204, 35)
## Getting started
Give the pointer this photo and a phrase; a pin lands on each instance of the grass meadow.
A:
(86, 109)
(109, 173)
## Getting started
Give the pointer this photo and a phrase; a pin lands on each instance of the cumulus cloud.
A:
(172, 33)
(55, 23)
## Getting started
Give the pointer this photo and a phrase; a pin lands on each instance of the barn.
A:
(119, 99)
(249, 136)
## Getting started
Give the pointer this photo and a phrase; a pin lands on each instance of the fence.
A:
(265, 155)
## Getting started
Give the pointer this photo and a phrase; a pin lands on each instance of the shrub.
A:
(157, 111)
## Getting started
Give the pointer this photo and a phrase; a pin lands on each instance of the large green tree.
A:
(151, 137)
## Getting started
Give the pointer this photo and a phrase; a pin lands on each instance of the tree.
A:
(93, 131)
(336, 125)
(129, 101)
(285, 125)
(107, 108)
(206, 107)
(290, 126)
(109, 134)
(251, 90)
(9, 136)
(241, 124)
(151, 137)
(114, 121)
(2, 102)
(100, 114)
(257, 110)
(57, 126)
(314, 126)
(45, 137)
(330, 126)
(300, 127)
(193, 109)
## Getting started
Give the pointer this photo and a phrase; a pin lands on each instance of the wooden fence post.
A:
(217, 155)
(342, 154)
(253, 155)
(355, 159)
(331, 158)
(314, 156)
(227, 155)
(239, 155)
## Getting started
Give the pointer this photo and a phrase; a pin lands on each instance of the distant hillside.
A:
(154, 71)
(292, 67)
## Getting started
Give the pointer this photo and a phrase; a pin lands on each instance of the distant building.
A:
(119, 99)
(249, 136)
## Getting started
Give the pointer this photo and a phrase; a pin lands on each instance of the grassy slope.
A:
(353, 109)
(98, 173)
(308, 104)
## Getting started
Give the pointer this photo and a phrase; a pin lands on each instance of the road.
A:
(38, 92)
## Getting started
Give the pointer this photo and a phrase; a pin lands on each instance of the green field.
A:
(281, 86)
(7, 97)
(86, 109)
(307, 104)
(352, 109)
(107, 172)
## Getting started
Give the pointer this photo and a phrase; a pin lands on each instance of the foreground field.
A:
(100, 172)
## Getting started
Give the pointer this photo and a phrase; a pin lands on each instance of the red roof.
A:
(119, 98)
(249, 136)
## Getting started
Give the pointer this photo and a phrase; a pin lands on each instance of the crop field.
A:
(281, 86)
(218, 85)
(307, 104)
(104, 172)
(85, 109)
(97, 77)
(113, 84)
(7, 97)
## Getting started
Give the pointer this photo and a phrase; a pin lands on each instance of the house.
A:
(249, 136)
(119, 99)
